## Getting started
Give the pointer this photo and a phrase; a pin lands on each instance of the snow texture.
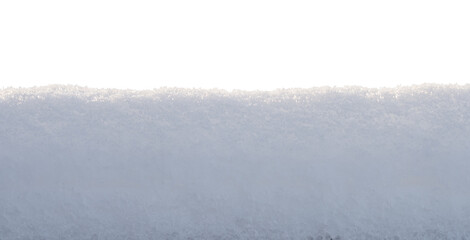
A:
(320, 163)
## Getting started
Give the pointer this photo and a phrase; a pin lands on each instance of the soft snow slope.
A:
(356, 163)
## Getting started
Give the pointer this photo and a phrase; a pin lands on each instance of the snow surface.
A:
(351, 163)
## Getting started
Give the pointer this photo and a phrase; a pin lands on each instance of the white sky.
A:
(244, 44)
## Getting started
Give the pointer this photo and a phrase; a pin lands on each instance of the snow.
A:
(169, 163)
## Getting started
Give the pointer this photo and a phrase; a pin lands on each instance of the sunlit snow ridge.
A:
(344, 163)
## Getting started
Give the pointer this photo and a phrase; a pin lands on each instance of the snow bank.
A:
(352, 163)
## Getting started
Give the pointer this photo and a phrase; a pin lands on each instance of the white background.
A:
(245, 44)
